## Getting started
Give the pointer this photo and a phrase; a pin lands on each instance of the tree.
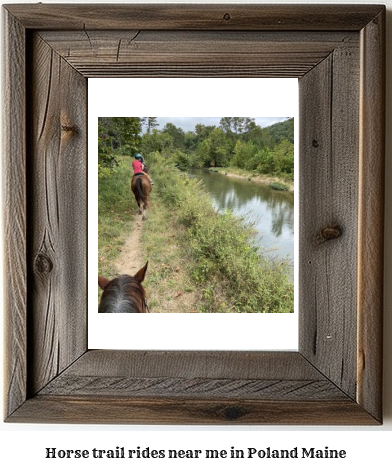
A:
(237, 125)
(243, 155)
(156, 141)
(281, 130)
(176, 133)
(214, 149)
(117, 135)
(283, 156)
(203, 131)
(150, 123)
(106, 157)
(128, 133)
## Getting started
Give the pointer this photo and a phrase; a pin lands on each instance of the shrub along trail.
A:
(232, 274)
(168, 283)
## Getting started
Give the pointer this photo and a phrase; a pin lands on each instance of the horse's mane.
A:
(123, 295)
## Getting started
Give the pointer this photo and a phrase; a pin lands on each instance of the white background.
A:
(368, 449)
(183, 98)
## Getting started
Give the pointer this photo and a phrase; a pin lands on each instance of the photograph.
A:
(196, 214)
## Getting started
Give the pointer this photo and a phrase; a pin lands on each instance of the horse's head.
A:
(124, 294)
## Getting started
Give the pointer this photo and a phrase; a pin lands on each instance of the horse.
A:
(141, 188)
(124, 294)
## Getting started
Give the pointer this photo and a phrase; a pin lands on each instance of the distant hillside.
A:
(281, 130)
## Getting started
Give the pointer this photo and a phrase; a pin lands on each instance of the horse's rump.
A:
(141, 187)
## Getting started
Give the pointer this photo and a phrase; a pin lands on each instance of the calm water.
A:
(272, 211)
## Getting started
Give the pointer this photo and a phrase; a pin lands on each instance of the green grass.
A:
(169, 284)
(233, 274)
(278, 186)
(116, 206)
(199, 260)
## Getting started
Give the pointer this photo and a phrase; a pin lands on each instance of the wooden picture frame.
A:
(337, 52)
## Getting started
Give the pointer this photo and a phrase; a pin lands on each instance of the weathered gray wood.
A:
(208, 364)
(195, 17)
(128, 53)
(341, 217)
(188, 387)
(208, 375)
(103, 409)
(371, 216)
(57, 215)
(329, 138)
(14, 209)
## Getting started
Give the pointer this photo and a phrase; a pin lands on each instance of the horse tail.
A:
(139, 188)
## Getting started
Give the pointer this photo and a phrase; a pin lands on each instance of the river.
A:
(271, 211)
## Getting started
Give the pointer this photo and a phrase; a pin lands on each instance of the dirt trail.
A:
(130, 259)
(169, 290)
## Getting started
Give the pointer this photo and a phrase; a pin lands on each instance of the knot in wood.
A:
(43, 264)
(232, 412)
(227, 16)
(328, 233)
(68, 128)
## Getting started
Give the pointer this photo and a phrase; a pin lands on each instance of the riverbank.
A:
(256, 178)
(226, 264)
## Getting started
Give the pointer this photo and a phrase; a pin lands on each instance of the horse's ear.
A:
(141, 273)
(103, 282)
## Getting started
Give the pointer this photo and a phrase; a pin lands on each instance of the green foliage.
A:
(176, 133)
(278, 186)
(222, 251)
(243, 155)
(106, 157)
(237, 125)
(181, 160)
(156, 141)
(149, 123)
(237, 142)
(115, 208)
(281, 131)
(284, 158)
(278, 161)
(214, 150)
(117, 135)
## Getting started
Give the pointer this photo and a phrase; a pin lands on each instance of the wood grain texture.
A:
(103, 409)
(196, 387)
(14, 209)
(57, 215)
(127, 53)
(195, 17)
(335, 378)
(371, 216)
(329, 137)
(208, 364)
(205, 374)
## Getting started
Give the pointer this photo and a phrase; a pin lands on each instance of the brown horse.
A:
(124, 294)
(141, 188)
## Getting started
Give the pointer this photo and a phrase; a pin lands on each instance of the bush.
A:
(278, 186)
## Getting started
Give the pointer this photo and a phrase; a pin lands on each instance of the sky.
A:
(188, 123)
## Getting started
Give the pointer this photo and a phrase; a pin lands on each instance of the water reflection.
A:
(271, 211)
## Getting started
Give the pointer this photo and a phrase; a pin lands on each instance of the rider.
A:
(138, 166)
